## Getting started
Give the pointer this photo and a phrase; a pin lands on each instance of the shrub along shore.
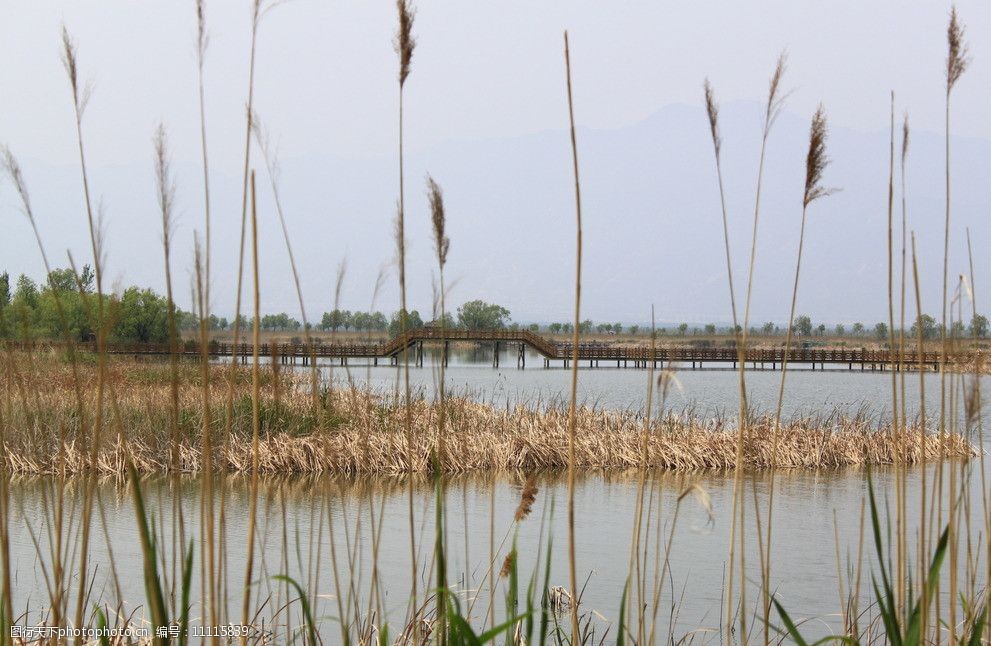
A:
(353, 430)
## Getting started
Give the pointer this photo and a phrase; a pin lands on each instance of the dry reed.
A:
(365, 435)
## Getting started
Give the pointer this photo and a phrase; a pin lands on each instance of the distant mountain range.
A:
(653, 233)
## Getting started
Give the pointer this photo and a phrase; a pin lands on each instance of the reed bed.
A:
(360, 431)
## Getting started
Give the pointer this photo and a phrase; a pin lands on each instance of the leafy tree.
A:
(769, 328)
(586, 326)
(634, 330)
(978, 324)
(534, 327)
(803, 326)
(4, 290)
(857, 329)
(26, 294)
(840, 329)
(567, 328)
(710, 328)
(335, 319)
(957, 329)
(554, 328)
(479, 315)
(930, 330)
(617, 328)
(821, 329)
(881, 331)
(413, 322)
(447, 322)
(142, 317)
(603, 328)
(683, 329)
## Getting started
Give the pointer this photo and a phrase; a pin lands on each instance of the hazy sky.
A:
(326, 85)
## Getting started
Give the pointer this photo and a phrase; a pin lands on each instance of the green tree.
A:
(930, 330)
(768, 328)
(413, 322)
(447, 322)
(586, 326)
(634, 330)
(603, 328)
(803, 326)
(958, 329)
(840, 329)
(978, 325)
(554, 328)
(534, 327)
(142, 317)
(479, 315)
(857, 329)
(617, 328)
(821, 329)
(4, 290)
(567, 328)
(710, 328)
(683, 329)
(881, 331)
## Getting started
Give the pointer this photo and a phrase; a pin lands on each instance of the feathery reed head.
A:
(202, 39)
(164, 181)
(816, 160)
(507, 565)
(905, 138)
(80, 95)
(712, 109)
(527, 497)
(404, 42)
(774, 97)
(13, 169)
(441, 240)
(957, 58)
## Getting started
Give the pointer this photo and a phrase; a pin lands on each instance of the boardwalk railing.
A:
(549, 349)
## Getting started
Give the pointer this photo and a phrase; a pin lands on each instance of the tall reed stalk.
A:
(442, 245)
(772, 108)
(815, 164)
(80, 99)
(572, 538)
(404, 44)
(255, 414)
(957, 61)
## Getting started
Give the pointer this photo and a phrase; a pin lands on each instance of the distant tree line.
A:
(802, 327)
(31, 310)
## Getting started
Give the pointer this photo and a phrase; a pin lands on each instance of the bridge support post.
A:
(419, 354)
(495, 356)
(521, 358)
(446, 353)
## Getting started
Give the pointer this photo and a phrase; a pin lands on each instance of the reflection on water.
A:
(307, 523)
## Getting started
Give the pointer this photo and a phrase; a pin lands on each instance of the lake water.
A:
(305, 523)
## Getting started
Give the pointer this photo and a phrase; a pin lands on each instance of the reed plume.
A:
(404, 42)
(527, 497)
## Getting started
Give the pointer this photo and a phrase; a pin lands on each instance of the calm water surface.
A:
(305, 523)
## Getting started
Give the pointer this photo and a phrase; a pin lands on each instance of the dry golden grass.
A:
(364, 432)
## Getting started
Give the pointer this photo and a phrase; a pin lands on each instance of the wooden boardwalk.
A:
(411, 345)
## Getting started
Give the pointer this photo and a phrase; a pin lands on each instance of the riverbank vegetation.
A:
(358, 431)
